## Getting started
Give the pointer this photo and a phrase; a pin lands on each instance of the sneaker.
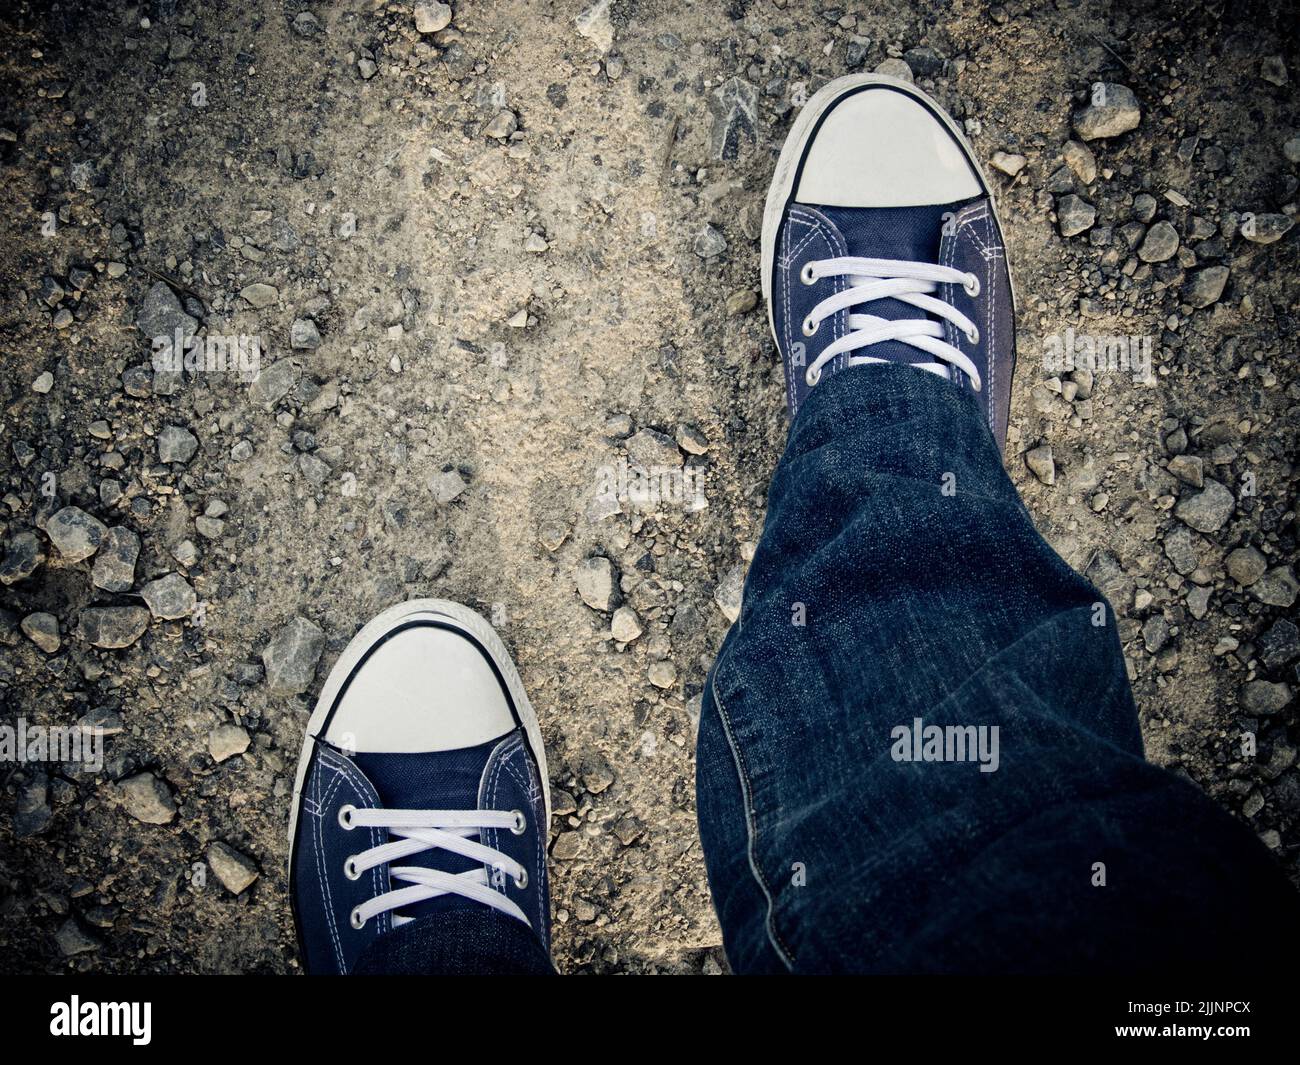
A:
(421, 793)
(881, 244)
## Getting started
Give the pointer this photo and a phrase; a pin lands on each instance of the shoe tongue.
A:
(440, 780)
(911, 234)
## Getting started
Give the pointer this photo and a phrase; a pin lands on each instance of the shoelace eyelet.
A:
(810, 327)
(345, 816)
(808, 275)
(812, 377)
(973, 336)
(350, 869)
(521, 825)
(521, 881)
(972, 285)
(356, 920)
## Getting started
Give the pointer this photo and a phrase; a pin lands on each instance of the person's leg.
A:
(899, 586)
(418, 835)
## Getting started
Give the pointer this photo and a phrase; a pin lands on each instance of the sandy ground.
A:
(481, 263)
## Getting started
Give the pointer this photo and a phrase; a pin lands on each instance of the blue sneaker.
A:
(419, 823)
(881, 244)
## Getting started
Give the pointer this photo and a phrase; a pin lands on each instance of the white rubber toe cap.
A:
(883, 148)
(422, 688)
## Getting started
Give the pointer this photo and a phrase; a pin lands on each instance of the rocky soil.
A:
(487, 257)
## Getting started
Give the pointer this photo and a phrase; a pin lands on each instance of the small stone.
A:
(1160, 243)
(691, 440)
(1198, 602)
(304, 335)
(176, 444)
(1009, 164)
(1208, 510)
(112, 626)
(75, 533)
(1206, 286)
(1155, 633)
(1041, 464)
(1291, 149)
(43, 630)
(367, 68)
(260, 295)
(185, 553)
(594, 24)
(1180, 549)
(651, 449)
(536, 244)
(71, 940)
(169, 597)
(663, 674)
(1245, 565)
(1280, 644)
(32, 814)
(209, 528)
(43, 383)
(114, 568)
(1112, 111)
(1273, 70)
(432, 17)
(595, 580)
(1264, 697)
(236, 871)
(161, 315)
(709, 243)
(446, 486)
(1079, 158)
(291, 656)
(1189, 469)
(23, 555)
(625, 625)
(273, 383)
(226, 741)
(742, 302)
(148, 799)
(1277, 587)
(504, 124)
(1074, 215)
(895, 68)
(1266, 228)
(727, 595)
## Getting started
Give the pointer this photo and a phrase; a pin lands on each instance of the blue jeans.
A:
(900, 588)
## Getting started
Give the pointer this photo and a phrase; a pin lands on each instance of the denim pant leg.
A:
(899, 577)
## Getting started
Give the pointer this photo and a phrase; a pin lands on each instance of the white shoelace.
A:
(419, 830)
(910, 282)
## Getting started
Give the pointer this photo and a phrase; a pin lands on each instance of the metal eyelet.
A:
(521, 881)
(972, 285)
(810, 327)
(973, 336)
(345, 816)
(350, 869)
(520, 826)
(812, 377)
(808, 275)
(356, 920)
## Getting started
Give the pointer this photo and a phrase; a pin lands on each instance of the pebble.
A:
(43, 630)
(226, 741)
(23, 556)
(75, 533)
(114, 568)
(596, 583)
(895, 68)
(1074, 215)
(1277, 587)
(176, 444)
(291, 656)
(432, 17)
(1189, 469)
(727, 595)
(1114, 112)
(691, 440)
(161, 315)
(260, 295)
(169, 597)
(43, 383)
(234, 870)
(1009, 164)
(1206, 286)
(663, 674)
(502, 126)
(1041, 463)
(742, 302)
(1279, 645)
(625, 626)
(273, 383)
(1160, 243)
(1266, 228)
(709, 243)
(1208, 510)
(72, 940)
(148, 799)
(304, 335)
(446, 486)
(112, 627)
(1082, 163)
(1264, 697)
(1245, 565)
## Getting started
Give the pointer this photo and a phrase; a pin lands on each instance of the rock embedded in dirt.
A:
(112, 627)
(432, 17)
(169, 597)
(1208, 510)
(176, 444)
(1112, 110)
(1266, 228)
(625, 626)
(1204, 287)
(161, 316)
(75, 533)
(72, 940)
(304, 335)
(114, 568)
(1245, 565)
(291, 656)
(1042, 464)
(1082, 163)
(447, 485)
(596, 583)
(728, 593)
(226, 741)
(148, 799)
(1277, 587)
(260, 295)
(273, 383)
(1009, 163)
(1074, 215)
(24, 554)
(1160, 243)
(234, 870)
(1264, 697)
(43, 630)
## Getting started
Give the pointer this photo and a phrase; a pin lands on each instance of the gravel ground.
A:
(486, 262)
